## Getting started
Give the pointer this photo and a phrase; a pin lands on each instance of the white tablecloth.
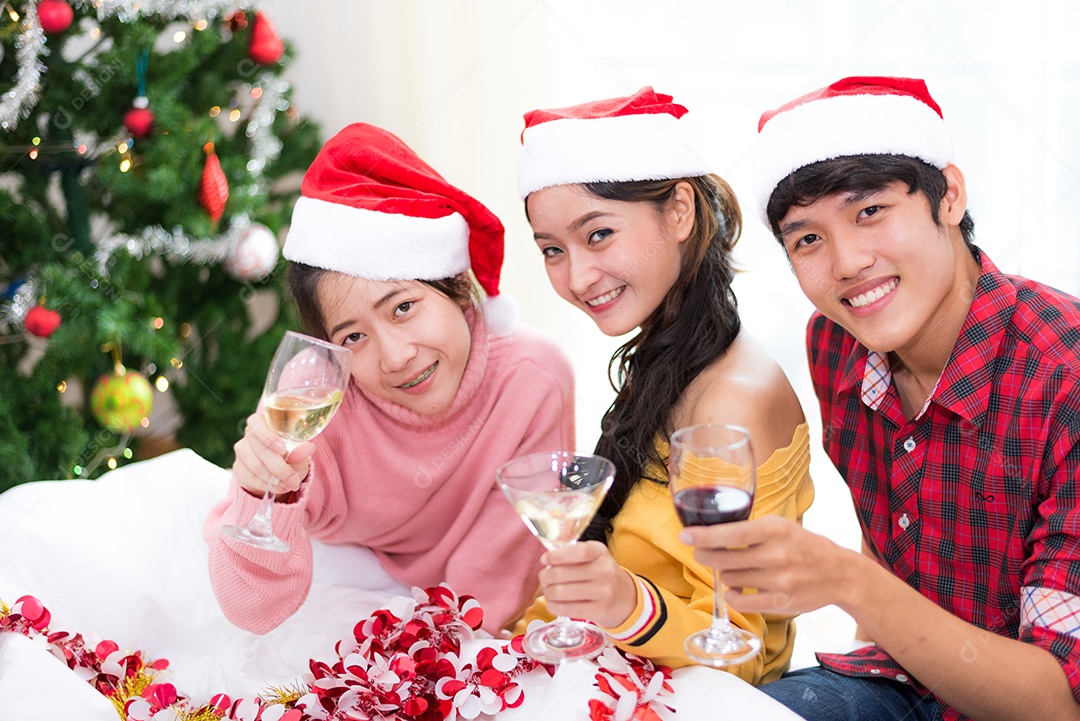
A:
(122, 558)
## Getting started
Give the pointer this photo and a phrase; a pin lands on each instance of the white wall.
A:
(453, 78)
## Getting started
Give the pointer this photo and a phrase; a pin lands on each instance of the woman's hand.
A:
(582, 580)
(261, 463)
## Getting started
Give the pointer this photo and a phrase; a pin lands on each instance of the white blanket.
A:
(122, 558)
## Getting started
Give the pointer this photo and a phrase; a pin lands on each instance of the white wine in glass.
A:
(304, 387)
(557, 494)
(712, 477)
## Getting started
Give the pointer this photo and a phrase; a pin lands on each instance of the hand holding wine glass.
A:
(304, 387)
(557, 494)
(712, 477)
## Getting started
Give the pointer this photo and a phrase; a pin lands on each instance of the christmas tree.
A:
(149, 160)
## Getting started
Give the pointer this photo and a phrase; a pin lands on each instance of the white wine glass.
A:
(557, 495)
(712, 478)
(304, 387)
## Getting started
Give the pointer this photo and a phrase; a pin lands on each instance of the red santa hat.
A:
(640, 137)
(853, 116)
(370, 207)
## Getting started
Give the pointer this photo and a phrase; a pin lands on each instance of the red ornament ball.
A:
(119, 401)
(139, 122)
(41, 321)
(55, 16)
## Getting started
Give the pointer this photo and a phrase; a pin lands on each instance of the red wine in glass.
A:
(710, 505)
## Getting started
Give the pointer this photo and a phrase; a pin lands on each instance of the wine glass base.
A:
(269, 542)
(543, 643)
(726, 650)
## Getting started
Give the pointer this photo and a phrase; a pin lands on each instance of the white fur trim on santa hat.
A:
(379, 246)
(848, 125)
(653, 146)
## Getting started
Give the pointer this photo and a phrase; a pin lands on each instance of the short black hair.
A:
(861, 174)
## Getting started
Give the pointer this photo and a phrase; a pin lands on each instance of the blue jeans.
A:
(820, 695)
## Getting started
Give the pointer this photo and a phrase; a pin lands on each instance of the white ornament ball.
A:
(254, 255)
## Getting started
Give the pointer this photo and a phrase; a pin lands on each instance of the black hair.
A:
(694, 325)
(862, 174)
(303, 281)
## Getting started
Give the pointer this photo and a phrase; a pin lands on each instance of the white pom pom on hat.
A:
(370, 207)
(853, 116)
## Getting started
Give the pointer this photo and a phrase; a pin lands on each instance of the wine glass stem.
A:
(721, 625)
(260, 523)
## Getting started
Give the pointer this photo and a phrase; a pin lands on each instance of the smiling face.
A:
(409, 342)
(877, 264)
(615, 260)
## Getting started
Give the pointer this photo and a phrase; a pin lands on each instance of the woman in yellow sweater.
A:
(637, 233)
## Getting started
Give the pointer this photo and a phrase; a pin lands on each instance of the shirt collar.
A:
(964, 386)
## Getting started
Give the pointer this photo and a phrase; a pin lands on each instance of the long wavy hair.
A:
(692, 327)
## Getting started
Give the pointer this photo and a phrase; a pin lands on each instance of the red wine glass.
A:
(712, 476)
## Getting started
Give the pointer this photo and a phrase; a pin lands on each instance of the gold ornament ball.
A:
(119, 401)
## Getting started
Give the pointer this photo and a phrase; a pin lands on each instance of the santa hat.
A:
(371, 208)
(853, 116)
(640, 137)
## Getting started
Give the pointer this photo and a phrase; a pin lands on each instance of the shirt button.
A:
(901, 678)
(904, 521)
(875, 671)
(909, 445)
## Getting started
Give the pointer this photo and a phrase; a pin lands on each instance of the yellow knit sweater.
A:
(675, 592)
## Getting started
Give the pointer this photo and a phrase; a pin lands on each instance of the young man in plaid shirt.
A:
(950, 404)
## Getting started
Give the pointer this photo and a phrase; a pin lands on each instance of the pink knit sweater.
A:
(418, 490)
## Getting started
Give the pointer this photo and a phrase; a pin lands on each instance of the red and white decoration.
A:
(853, 116)
(371, 208)
(403, 662)
(139, 119)
(640, 137)
(254, 254)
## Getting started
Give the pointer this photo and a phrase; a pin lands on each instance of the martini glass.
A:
(304, 387)
(557, 494)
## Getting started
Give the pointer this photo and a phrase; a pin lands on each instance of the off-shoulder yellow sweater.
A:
(675, 592)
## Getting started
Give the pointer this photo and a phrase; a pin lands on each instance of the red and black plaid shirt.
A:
(974, 502)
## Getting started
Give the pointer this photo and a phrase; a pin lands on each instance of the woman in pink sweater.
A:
(443, 390)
